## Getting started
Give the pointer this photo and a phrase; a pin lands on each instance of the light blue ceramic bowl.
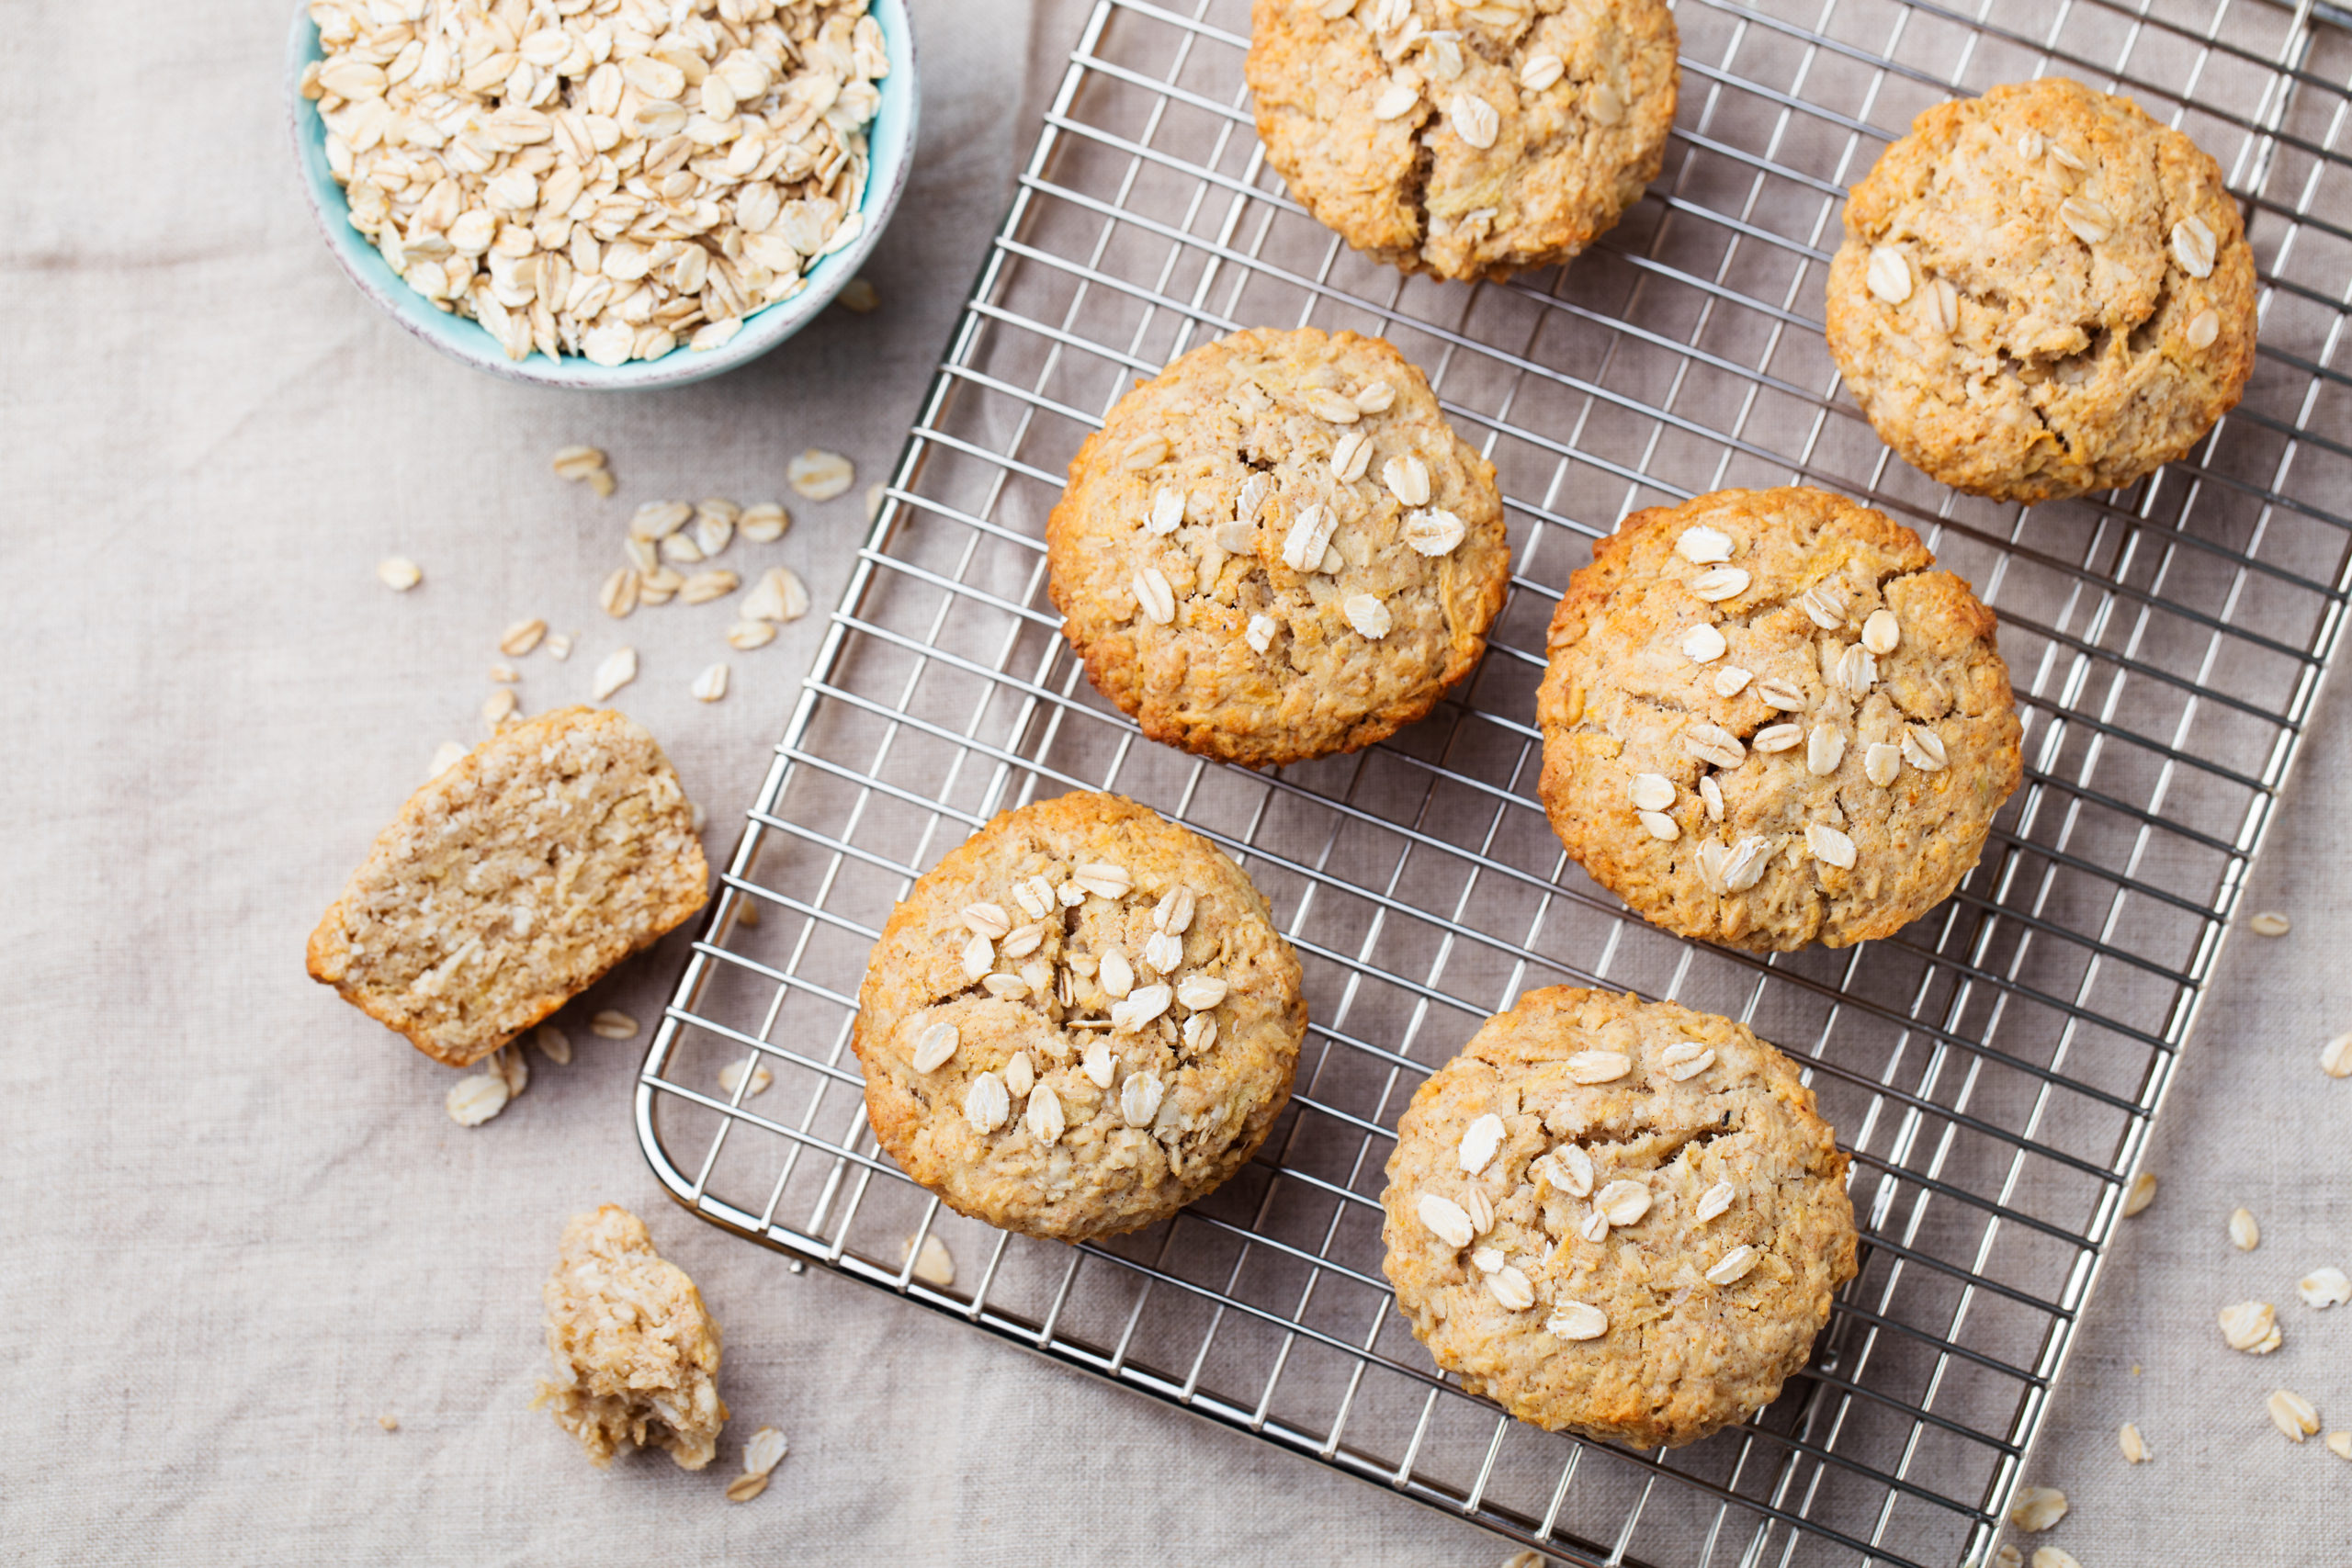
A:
(891, 141)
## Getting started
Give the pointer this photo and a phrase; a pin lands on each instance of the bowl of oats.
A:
(607, 195)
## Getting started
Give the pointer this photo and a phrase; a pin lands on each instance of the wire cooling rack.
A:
(1993, 1070)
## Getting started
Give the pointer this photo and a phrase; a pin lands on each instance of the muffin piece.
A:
(1278, 549)
(1617, 1218)
(636, 1352)
(2042, 291)
(1470, 143)
(1081, 1020)
(512, 881)
(1768, 723)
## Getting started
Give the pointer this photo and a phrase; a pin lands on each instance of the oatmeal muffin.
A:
(2041, 292)
(512, 881)
(1081, 1020)
(1768, 722)
(636, 1352)
(1467, 142)
(1278, 549)
(1617, 1218)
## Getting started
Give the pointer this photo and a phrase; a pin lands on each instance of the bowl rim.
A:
(467, 341)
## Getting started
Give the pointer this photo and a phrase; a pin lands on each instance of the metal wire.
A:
(1993, 1070)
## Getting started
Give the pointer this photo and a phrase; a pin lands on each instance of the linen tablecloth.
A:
(240, 1229)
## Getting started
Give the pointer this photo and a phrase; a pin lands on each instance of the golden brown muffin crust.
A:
(1261, 650)
(1748, 769)
(1465, 142)
(1079, 1021)
(2042, 291)
(1618, 1218)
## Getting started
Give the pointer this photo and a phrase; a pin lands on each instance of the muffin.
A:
(1768, 722)
(636, 1351)
(512, 881)
(1617, 1218)
(1278, 549)
(1081, 1020)
(1467, 142)
(2042, 291)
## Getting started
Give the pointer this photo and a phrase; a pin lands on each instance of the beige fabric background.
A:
(238, 1226)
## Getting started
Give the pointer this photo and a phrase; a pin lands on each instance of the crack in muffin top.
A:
(2042, 291)
(1467, 141)
(1768, 722)
(1278, 549)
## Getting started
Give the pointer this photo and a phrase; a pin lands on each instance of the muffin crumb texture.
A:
(636, 1352)
(511, 881)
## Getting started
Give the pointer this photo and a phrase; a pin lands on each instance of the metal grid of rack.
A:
(1993, 1070)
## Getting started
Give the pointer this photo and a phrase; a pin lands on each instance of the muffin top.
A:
(1618, 1218)
(1079, 1021)
(1278, 549)
(2042, 291)
(1470, 141)
(1768, 722)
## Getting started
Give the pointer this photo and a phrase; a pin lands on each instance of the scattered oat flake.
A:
(553, 1044)
(475, 1099)
(613, 1024)
(745, 1487)
(522, 636)
(732, 1075)
(2325, 1288)
(1524, 1559)
(932, 1264)
(876, 494)
(2340, 1444)
(2293, 1415)
(2244, 1235)
(578, 462)
(508, 1064)
(618, 670)
(448, 755)
(819, 475)
(712, 684)
(399, 573)
(2008, 1557)
(2251, 1326)
(2134, 1447)
(392, 1424)
(859, 296)
(765, 1451)
(499, 706)
(779, 596)
(2270, 922)
(2336, 1056)
(559, 646)
(2054, 1557)
(2139, 1194)
(764, 524)
(2036, 1508)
